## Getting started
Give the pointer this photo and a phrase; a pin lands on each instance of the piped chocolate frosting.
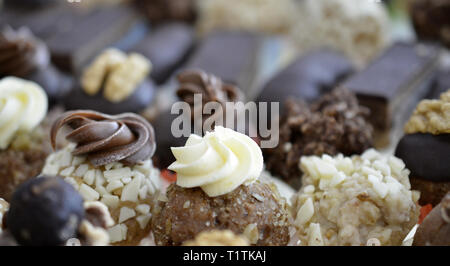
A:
(21, 53)
(211, 87)
(126, 138)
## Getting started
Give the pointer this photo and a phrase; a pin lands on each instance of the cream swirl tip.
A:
(218, 163)
(23, 105)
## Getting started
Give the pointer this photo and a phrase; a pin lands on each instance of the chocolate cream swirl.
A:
(212, 88)
(21, 53)
(126, 138)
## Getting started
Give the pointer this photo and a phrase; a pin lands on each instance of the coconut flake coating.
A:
(349, 200)
(255, 211)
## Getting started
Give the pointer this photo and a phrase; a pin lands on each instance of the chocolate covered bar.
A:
(166, 47)
(395, 81)
(231, 55)
(73, 34)
(308, 77)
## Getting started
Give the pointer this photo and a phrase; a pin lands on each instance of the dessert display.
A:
(23, 140)
(167, 47)
(109, 161)
(217, 187)
(430, 19)
(47, 211)
(192, 82)
(114, 83)
(24, 56)
(435, 228)
(335, 123)
(224, 123)
(426, 141)
(350, 200)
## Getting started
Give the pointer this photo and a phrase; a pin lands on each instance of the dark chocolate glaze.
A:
(136, 102)
(167, 47)
(126, 138)
(426, 156)
(307, 78)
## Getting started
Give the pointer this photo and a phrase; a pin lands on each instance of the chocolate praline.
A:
(136, 102)
(44, 211)
(425, 156)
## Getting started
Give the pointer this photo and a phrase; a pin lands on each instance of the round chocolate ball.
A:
(44, 211)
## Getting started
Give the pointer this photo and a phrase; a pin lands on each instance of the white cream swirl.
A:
(219, 162)
(23, 105)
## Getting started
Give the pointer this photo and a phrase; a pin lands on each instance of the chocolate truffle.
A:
(359, 29)
(431, 19)
(423, 147)
(218, 187)
(191, 82)
(435, 228)
(333, 124)
(114, 83)
(24, 56)
(351, 200)
(109, 161)
(24, 127)
(44, 211)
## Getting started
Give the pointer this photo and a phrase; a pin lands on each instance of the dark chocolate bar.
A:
(394, 81)
(230, 55)
(166, 47)
(307, 77)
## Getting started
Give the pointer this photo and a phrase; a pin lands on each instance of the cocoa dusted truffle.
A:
(333, 124)
(23, 55)
(431, 19)
(44, 211)
(435, 228)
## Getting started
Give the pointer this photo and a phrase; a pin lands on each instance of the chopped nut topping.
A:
(120, 73)
(431, 116)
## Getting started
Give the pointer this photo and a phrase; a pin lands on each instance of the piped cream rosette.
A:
(218, 163)
(23, 105)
